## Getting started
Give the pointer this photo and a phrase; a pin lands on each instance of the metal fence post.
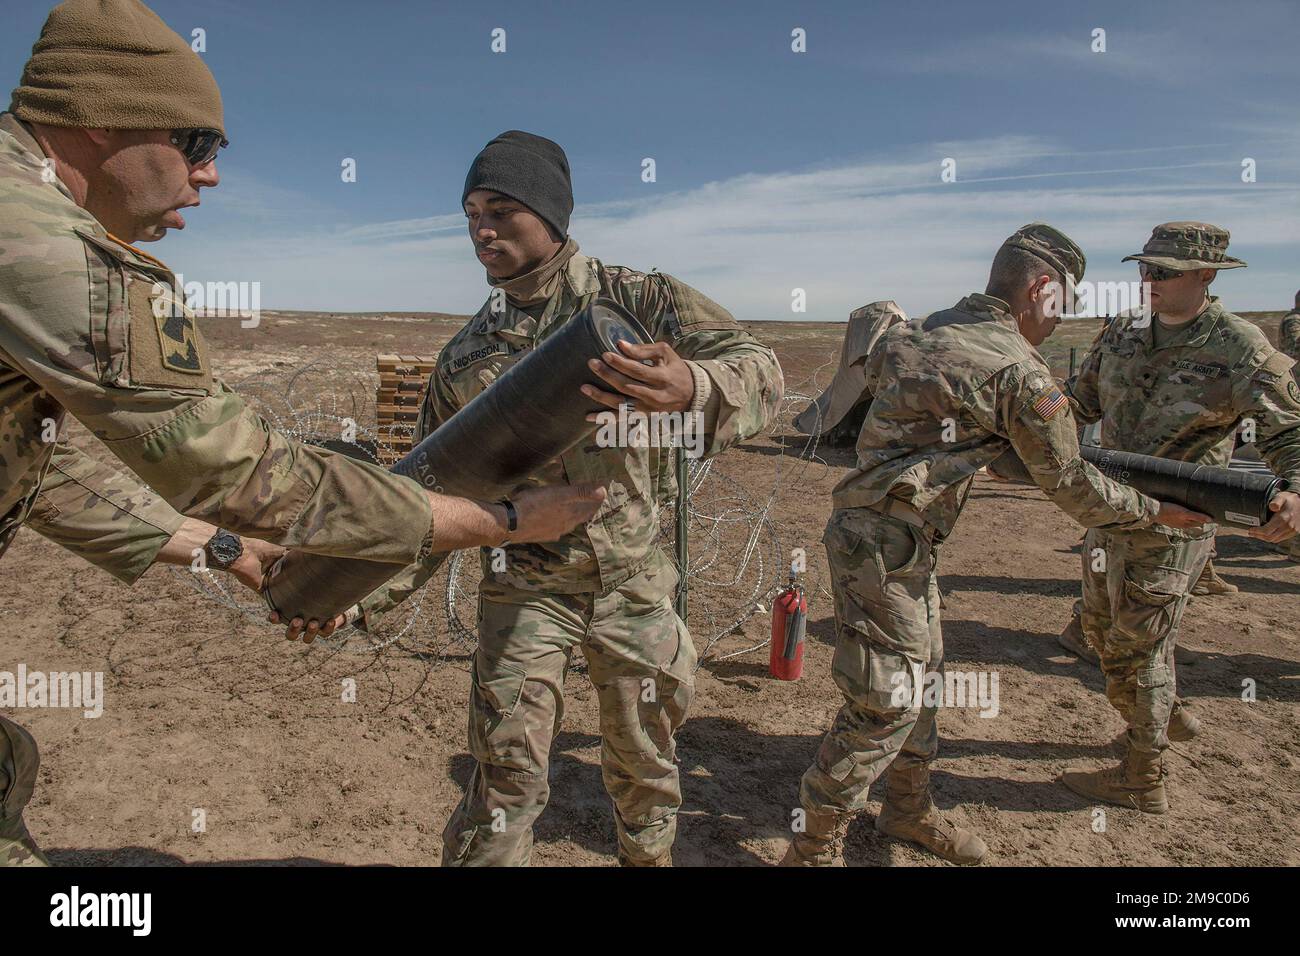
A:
(680, 538)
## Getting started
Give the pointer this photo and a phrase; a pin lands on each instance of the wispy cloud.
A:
(1191, 59)
(406, 228)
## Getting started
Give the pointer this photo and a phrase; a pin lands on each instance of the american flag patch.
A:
(1049, 403)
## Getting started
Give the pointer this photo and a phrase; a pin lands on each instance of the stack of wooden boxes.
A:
(403, 380)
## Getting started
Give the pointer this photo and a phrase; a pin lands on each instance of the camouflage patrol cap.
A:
(1185, 246)
(1052, 246)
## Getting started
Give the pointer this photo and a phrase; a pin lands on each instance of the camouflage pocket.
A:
(498, 731)
(847, 549)
(1153, 701)
(840, 537)
(1146, 613)
(643, 666)
(898, 548)
(878, 680)
(881, 580)
(1157, 675)
(19, 761)
(677, 680)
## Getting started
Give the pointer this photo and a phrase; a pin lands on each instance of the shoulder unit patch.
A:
(167, 350)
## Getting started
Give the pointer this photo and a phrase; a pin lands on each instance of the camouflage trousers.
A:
(887, 633)
(1136, 585)
(641, 662)
(19, 761)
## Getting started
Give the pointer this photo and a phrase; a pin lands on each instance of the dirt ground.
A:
(209, 709)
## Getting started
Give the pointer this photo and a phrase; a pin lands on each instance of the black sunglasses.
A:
(199, 145)
(1157, 273)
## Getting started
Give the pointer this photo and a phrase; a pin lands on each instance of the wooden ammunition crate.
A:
(403, 380)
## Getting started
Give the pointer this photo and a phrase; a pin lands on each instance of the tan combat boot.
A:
(17, 848)
(1136, 782)
(663, 859)
(821, 843)
(1183, 724)
(1072, 640)
(1210, 583)
(909, 814)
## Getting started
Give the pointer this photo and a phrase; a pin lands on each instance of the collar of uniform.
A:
(124, 252)
(581, 279)
(580, 276)
(18, 130)
(529, 289)
(983, 305)
(27, 143)
(1193, 334)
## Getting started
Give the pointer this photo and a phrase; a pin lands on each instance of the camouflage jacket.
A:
(93, 327)
(952, 392)
(1288, 337)
(738, 380)
(1186, 399)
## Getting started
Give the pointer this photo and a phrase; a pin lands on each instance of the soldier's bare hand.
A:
(311, 630)
(1176, 516)
(665, 384)
(546, 514)
(1285, 522)
(250, 567)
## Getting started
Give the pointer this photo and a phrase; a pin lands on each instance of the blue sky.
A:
(775, 170)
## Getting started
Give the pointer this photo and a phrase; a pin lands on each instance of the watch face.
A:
(225, 548)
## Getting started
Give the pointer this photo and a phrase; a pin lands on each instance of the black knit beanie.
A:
(529, 168)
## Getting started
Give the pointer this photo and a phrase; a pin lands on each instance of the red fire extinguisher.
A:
(789, 628)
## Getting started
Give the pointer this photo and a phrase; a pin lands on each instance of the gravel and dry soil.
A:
(208, 708)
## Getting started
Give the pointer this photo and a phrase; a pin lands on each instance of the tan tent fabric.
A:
(866, 326)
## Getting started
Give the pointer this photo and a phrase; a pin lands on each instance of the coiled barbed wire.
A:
(738, 557)
(332, 407)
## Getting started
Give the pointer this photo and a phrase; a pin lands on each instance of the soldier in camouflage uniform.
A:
(1288, 336)
(950, 394)
(91, 159)
(606, 588)
(1177, 386)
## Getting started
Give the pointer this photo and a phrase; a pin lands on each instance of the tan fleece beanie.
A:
(113, 64)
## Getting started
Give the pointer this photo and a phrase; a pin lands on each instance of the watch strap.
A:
(512, 516)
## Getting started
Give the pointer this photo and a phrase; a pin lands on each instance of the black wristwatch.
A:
(223, 549)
